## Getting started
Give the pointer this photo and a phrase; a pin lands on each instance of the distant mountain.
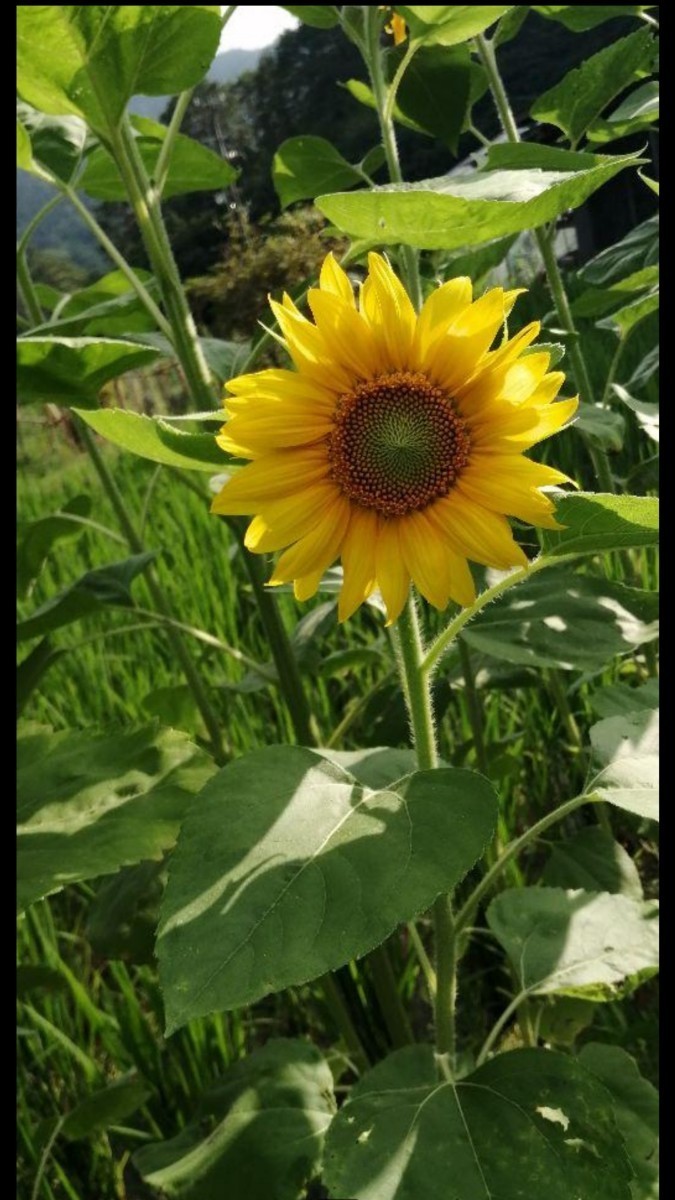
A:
(63, 229)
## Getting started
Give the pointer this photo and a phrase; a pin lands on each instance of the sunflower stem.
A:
(582, 377)
(372, 52)
(417, 690)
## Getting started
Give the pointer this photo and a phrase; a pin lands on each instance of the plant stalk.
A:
(582, 378)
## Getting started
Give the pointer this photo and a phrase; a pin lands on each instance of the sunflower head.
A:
(397, 443)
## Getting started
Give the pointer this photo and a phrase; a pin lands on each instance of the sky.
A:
(254, 26)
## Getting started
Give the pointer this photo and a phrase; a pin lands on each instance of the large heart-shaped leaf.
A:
(291, 868)
(90, 802)
(594, 523)
(531, 1123)
(557, 619)
(267, 1119)
(626, 749)
(91, 59)
(452, 211)
(586, 944)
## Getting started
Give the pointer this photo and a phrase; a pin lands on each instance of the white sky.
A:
(254, 26)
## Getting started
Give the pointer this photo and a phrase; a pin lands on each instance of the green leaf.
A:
(579, 99)
(109, 307)
(652, 184)
(364, 94)
(435, 90)
(571, 622)
(638, 111)
(647, 414)
(638, 249)
(528, 1123)
(626, 749)
(587, 944)
(290, 869)
(321, 16)
(448, 25)
(106, 1107)
(591, 859)
(595, 522)
(617, 699)
(37, 538)
(477, 261)
(509, 25)
(156, 439)
(24, 155)
(522, 156)
(636, 1110)
(303, 167)
(596, 301)
(579, 17)
(449, 212)
(192, 167)
(603, 426)
(72, 371)
(90, 803)
(90, 60)
(646, 368)
(32, 668)
(260, 1133)
(226, 359)
(376, 767)
(174, 705)
(562, 1018)
(110, 584)
(122, 917)
(56, 142)
(624, 320)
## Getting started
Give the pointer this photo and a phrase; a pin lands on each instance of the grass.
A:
(92, 1011)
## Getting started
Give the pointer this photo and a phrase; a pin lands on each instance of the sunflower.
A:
(397, 443)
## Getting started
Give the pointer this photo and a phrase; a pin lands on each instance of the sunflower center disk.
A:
(398, 444)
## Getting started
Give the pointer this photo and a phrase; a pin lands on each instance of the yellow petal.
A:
(455, 355)
(270, 478)
(476, 533)
(263, 432)
(390, 312)
(358, 560)
(345, 334)
(509, 484)
(307, 586)
(426, 557)
(548, 420)
(333, 279)
(282, 522)
(439, 311)
(317, 550)
(393, 579)
(307, 347)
